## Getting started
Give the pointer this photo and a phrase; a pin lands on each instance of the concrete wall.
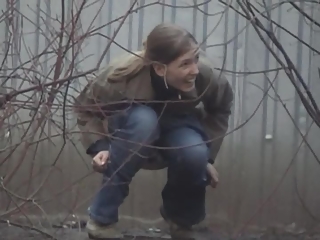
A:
(252, 164)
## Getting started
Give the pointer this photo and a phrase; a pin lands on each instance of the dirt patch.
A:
(13, 233)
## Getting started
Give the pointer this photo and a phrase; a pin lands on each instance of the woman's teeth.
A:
(190, 81)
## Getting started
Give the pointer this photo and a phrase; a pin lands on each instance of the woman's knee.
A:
(190, 165)
(191, 151)
(194, 158)
(143, 120)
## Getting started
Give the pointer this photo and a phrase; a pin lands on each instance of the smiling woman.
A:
(150, 101)
(172, 51)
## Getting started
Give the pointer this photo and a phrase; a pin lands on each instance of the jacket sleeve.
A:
(218, 100)
(90, 120)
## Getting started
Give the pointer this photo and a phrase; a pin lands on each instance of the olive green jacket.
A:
(212, 100)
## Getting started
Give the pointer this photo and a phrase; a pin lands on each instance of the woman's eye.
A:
(184, 64)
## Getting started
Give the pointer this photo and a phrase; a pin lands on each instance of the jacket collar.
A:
(147, 85)
(162, 92)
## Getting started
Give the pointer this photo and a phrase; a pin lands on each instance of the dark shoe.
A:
(177, 231)
(98, 231)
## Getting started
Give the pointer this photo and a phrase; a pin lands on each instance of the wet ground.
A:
(14, 233)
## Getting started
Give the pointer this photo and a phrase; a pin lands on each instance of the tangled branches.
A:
(38, 86)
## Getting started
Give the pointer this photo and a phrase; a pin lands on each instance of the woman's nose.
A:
(194, 70)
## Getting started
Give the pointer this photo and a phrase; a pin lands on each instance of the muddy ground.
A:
(15, 233)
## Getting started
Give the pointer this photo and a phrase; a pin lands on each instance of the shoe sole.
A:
(166, 218)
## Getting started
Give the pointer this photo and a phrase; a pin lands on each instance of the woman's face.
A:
(182, 72)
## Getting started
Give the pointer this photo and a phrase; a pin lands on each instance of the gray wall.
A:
(252, 167)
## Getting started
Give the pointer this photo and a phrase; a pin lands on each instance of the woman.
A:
(165, 102)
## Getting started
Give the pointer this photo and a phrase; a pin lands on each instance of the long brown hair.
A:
(165, 43)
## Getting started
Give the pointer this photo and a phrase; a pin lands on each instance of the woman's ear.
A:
(159, 69)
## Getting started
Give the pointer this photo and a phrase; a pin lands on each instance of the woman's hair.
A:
(165, 43)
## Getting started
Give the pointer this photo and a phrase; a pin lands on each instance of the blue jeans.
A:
(134, 133)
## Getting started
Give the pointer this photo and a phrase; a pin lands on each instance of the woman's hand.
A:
(213, 174)
(99, 162)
